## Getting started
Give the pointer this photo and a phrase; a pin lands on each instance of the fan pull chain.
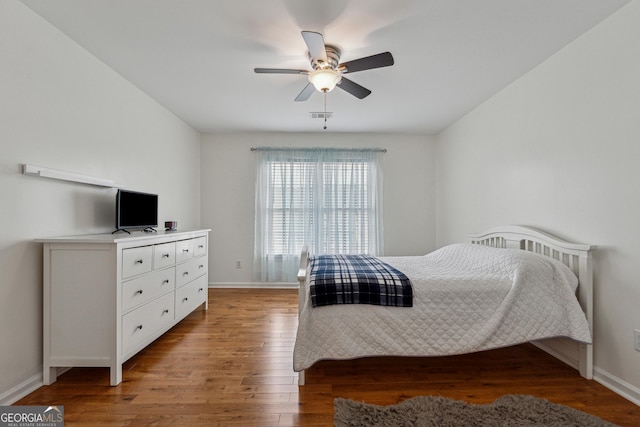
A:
(325, 110)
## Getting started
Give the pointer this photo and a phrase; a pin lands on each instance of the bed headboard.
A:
(532, 240)
(576, 256)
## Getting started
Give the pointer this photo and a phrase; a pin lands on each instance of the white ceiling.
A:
(196, 57)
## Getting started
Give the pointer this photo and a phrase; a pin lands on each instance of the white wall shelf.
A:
(43, 172)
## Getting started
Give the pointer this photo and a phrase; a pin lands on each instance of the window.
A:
(324, 198)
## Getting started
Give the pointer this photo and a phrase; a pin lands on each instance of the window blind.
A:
(327, 199)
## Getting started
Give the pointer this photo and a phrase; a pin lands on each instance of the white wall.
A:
(559, 149)
(228, 191)
(62, 108)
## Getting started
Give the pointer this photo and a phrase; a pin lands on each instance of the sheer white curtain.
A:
(328, 199)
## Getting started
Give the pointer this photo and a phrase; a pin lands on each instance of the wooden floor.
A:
(231, 366)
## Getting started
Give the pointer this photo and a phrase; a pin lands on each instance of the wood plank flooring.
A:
(232, 366)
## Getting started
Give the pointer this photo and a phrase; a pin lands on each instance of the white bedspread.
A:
(467, 298)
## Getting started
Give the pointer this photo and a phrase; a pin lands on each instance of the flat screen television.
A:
(135, 210)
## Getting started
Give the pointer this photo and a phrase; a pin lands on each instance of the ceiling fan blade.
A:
(374, 61)
(279, 71)
(353, 88)
(315, 44)
(306, 93)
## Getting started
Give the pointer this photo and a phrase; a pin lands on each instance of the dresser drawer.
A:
(140, 324)
(164, 255)
(199, 246)
(136, 261)
(190, 296)
(184, 250)
(145, 288)
(189, 270)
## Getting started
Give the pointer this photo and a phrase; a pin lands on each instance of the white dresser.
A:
(106, 297)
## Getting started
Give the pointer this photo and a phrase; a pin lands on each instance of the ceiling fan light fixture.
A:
(325, 79)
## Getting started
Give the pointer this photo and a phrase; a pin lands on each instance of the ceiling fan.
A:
(327, 69)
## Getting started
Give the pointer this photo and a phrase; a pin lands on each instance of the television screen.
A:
(136, 210)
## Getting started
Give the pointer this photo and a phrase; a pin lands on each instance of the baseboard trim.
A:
(253, 285)
(19, 391)
(29, 385)
(617, 385)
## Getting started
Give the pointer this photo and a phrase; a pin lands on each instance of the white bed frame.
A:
(575, 255)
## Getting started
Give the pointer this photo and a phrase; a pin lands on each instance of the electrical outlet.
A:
(238, 264)
(636, 339)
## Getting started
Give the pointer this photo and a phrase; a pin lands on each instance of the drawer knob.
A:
(200, 290)
(139, 292)
(165, 255)
(201, 266)
(185, 299)
(186, 273)
(139, 327)
(139, 261)
(166, 311)
(165, 281)
(200, 246)
(185, 250)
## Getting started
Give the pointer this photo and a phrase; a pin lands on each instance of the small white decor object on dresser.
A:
(107, 297)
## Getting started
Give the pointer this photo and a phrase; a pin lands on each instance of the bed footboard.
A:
(302, 294)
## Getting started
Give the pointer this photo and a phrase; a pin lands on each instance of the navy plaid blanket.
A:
(357, 279)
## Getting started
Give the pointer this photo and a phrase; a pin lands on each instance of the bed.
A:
(466, 298)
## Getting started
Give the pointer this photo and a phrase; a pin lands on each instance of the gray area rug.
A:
(423, 411)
